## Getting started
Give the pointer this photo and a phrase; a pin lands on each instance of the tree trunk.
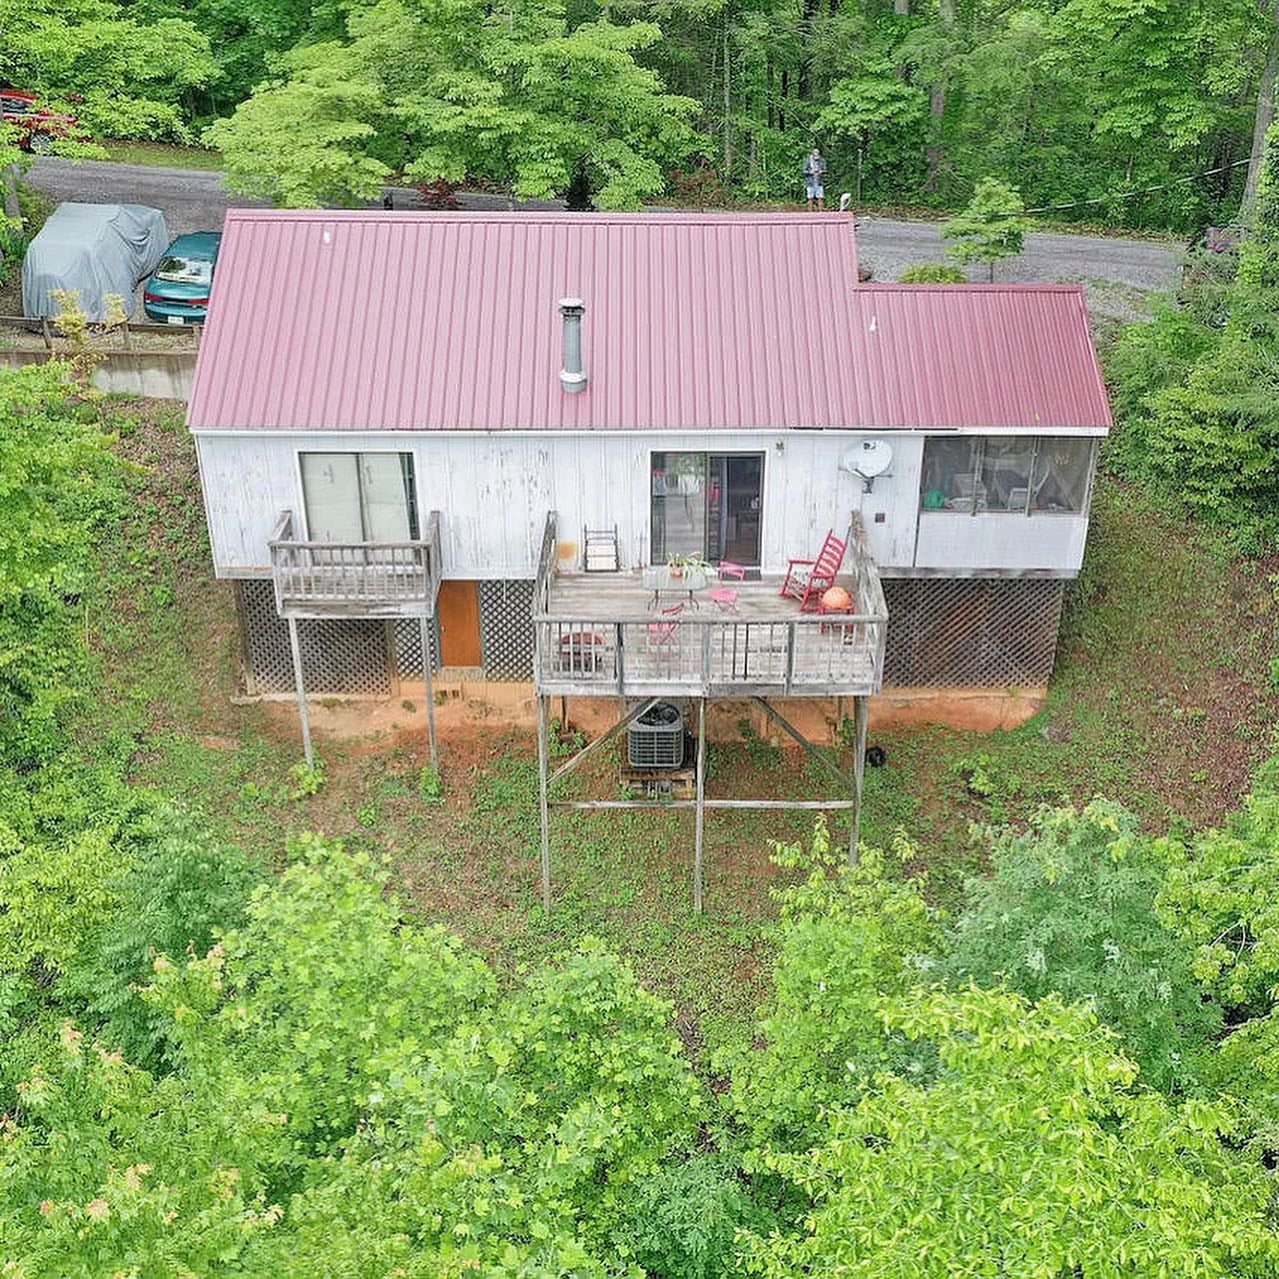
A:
(1265, 117)
(781, 108)
(728, 123)
(937, 104)
(902, 7)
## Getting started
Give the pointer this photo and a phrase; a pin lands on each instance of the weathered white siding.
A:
(493, 492)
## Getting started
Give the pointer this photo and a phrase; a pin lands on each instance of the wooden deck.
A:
(602, 634)
(355, 579)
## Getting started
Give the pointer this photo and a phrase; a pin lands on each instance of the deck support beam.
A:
(627, 716)
(296, 649)
(542, 804)
(861, 715)
(424, 624)
(700, 820)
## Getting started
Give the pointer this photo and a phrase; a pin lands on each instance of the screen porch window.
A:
(359, 497)
(1007, 474)
(707, 504)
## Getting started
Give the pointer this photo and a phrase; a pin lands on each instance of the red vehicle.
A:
(38, 128)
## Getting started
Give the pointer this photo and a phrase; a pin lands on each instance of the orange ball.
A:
(837, 599)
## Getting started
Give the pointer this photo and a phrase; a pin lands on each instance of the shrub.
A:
(933, 273)
(1069, 907)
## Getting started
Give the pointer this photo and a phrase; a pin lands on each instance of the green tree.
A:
(119, 76)
(524, 97)
(1069, 908)
(1029, 1153)
(989, 228)
(846, 937)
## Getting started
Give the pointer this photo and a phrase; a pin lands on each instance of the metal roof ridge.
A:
(687, 217)
(1009, 286)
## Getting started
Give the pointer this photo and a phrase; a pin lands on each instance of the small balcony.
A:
(355, 579)
(604, 634)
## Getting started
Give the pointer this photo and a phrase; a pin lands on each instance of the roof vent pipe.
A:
(572, 377)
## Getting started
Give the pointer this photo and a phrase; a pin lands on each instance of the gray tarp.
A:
(94, 249)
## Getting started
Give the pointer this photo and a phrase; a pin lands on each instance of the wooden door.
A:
(458, 609)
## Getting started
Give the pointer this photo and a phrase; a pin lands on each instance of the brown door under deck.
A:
(458, 609)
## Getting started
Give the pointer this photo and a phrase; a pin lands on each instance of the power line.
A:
(1128, 195)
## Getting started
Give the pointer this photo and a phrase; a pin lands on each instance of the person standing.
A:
(814, 179)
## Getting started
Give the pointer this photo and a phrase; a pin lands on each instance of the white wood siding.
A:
(493, 492)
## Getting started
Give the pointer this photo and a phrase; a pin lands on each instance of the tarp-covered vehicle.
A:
(95, 250)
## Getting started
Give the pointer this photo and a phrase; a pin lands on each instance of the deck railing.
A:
(712, 654)
(355, 579)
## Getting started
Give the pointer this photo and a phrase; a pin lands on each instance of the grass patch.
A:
(165, 155)
(1163, 699)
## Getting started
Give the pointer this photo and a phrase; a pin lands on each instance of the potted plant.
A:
(675, 566)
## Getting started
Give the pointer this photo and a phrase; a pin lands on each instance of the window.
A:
(185, 270)
(707, 504)
(1010, 474)
(359, 497)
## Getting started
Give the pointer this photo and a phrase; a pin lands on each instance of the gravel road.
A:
(1117, 271)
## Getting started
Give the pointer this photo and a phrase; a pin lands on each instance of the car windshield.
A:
(185, 270)
(15, 106)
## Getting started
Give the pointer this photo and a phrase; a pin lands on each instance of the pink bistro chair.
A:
(725, 597)
(661, 632)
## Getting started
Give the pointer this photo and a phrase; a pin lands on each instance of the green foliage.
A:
(1069, 908)
(58, 484)
(1221, 898)
(684, 1219)
(1053, 1163)
(933, 273)
(430, 786)
(846, 936)
(307, 779)
(118, 73)
(990, 227)
(1197, 392)
(534, 102)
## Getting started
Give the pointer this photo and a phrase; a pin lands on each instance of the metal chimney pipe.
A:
(572, 376)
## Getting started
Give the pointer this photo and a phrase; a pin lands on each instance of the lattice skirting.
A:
(506, 629)
(971, 632)
(369, 657)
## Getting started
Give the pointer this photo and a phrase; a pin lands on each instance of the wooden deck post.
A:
(300, 684)
(861, 713)
(545, 813)
(424, 624)
(700, 819)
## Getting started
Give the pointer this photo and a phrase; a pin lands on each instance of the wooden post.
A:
(545, 814)
(298, 681)
(860, 716)
(424, 624)
(700, 819)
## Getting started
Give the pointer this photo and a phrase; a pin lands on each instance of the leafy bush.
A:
(933, 273)
(845, 936)
(1069, 908)
(1031, 1150)
(684, 1219)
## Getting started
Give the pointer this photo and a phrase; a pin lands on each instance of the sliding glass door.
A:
(707, 504)
(359, 497)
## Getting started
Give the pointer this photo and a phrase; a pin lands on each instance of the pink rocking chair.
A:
(808, 580)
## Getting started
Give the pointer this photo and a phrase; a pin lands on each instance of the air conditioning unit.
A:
(656, 738)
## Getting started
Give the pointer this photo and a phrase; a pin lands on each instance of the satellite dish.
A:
(868, 459)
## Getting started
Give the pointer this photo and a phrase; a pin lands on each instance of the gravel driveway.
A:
(1117, 272)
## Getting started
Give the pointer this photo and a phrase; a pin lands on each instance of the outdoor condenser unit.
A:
(656, 738)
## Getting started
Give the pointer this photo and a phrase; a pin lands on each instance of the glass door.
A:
(707, 504)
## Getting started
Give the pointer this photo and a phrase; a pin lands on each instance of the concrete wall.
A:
(162, 375)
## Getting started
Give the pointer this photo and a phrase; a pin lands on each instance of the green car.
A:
(178, 292)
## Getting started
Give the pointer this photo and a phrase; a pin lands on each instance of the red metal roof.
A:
(998, 355)
(399, 321)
